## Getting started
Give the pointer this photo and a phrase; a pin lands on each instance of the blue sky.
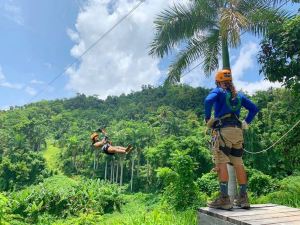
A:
(39, 39)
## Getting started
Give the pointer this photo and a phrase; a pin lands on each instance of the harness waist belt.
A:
(228, 121)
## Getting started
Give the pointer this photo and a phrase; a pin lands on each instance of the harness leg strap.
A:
(226, 150)
(237, 152)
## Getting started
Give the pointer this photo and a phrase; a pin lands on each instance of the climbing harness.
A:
(228, 120)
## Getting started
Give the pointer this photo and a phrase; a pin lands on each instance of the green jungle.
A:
(50, 174)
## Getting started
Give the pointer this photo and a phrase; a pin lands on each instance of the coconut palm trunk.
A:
(232, 184)
(132, 174)
(117, 171)
(105, 171)
(225, 54)
(121, 172)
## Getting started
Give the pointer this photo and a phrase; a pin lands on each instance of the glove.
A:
(210, 122)
(245, 125)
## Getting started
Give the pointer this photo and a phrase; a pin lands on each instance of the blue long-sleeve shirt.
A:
(217, 98)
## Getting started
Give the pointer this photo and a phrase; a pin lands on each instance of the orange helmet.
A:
(223, 75)
(93, 136)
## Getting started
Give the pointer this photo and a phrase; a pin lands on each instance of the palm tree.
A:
(207, 28)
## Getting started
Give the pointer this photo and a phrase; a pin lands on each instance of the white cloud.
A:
(12, 11)
(245, 61)
(5, 107)
(5, 83)
(252, 87)
(31, 91)
(36, 82)
(120, 62)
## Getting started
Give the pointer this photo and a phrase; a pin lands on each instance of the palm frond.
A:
(180, 23)
(277, 2)
(263, 19)
(212, 53)
(231, 24)
(203, 46)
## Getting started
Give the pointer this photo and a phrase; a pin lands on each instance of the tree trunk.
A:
(111, 170)
(232, 178)
(117, 171)
(232, 189)
(225, 54)
(95, 159)
(105, 171)
(148, 176)
(121, 174)
(131, 180)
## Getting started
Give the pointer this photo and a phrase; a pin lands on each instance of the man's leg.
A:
(223, 201)
(223, 178)
(119, 149)
(221, 160)
(116, 149)
(241, 175)
(243, 200)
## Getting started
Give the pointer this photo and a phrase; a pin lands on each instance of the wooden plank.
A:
(281, 221)
(224, 214)
(289, 223)
(266, 216)
(262, 214)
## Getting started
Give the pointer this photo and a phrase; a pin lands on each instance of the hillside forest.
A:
(50, 173)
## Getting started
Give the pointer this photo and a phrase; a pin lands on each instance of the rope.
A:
(275, 143)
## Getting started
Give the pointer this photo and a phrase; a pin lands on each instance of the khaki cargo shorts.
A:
(233, 138)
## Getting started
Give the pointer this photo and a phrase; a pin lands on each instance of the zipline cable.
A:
(275, 143)
(91, 46)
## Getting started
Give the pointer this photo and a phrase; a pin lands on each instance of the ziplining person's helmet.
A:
(223, 75)
(94, 135)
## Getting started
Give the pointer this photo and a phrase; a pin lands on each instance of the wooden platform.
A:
(256, 215)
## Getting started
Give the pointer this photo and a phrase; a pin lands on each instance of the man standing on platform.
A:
(227, 136)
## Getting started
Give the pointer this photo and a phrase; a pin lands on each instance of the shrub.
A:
(182, 192)
(4, 210)
(21, 168)
(62, 196)
(288, 194)
(260, 183)
(208, 183)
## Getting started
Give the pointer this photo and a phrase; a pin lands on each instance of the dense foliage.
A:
(280, 52)
(62, 196)
(171, 158)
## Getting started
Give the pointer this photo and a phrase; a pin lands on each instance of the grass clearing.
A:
(51, 155)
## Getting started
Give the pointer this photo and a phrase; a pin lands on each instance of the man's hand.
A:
(245, 125)
(103, 131)
(209, 122)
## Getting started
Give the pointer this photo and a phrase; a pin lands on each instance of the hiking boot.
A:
(128, 149)
(222, 202)
(242, 201)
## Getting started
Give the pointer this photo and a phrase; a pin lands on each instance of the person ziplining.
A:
(227, 136)
(106, 145)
